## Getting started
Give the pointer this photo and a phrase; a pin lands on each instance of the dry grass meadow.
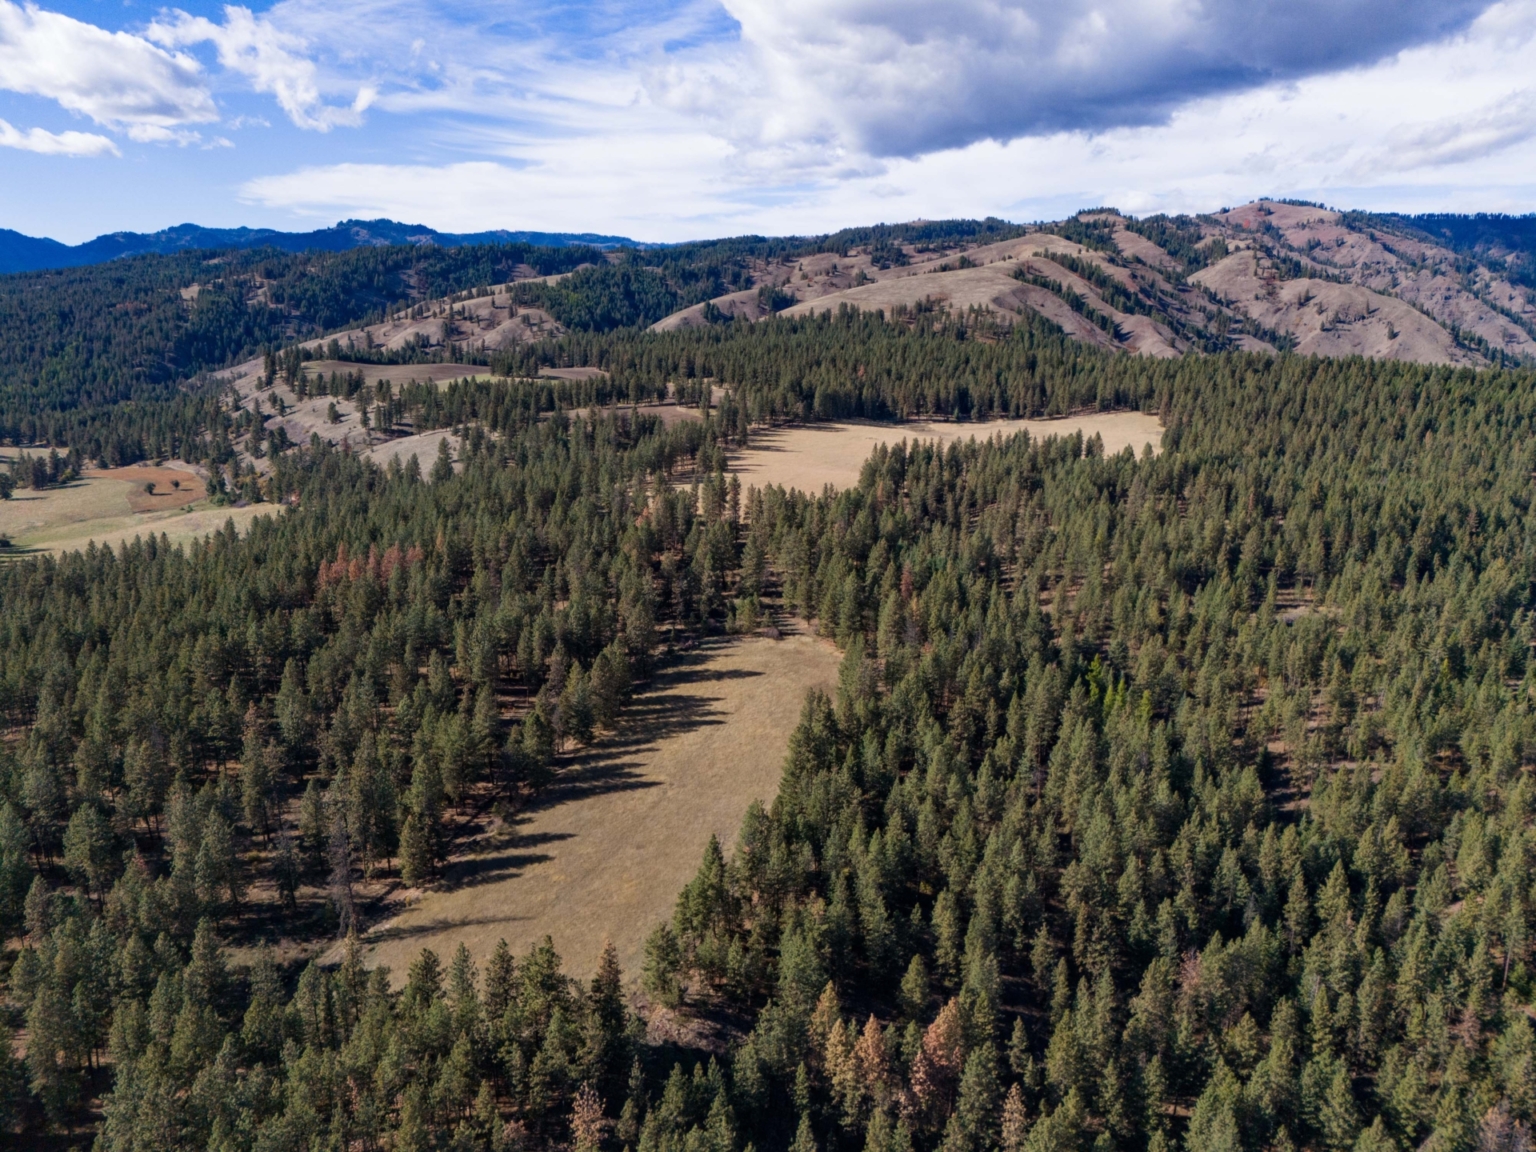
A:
(423, 446)
(112, 507)
(811, 456)
(605, 851)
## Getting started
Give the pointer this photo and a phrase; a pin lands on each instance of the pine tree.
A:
(415, 852)
(258, 772)
(291, 708)
(1339, 1117)
(604, 1048)
(339, 857)
(805, 1138)
(662, 958)
(15, 865)
(1376, 1139)
(500, 981)
(287, 872)
(442, 468)
(587, 1122)
(974, 1122)
(313, 828)
(88, 849)
(914, 990)
(217, 876)
(1015, 1121)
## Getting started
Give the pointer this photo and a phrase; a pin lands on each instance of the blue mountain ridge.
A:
(19, 253)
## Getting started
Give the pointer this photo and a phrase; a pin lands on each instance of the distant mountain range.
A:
(20, 253)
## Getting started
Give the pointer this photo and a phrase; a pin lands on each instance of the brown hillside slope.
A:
(1279, 276)
(1329, 319)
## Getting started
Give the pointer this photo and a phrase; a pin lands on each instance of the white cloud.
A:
(630, 182)
(117, 79)
(55, 143)
(1469, 136)
(683, 118)
(273, 61)
(1450, 124)
(157, 134)
(890, 78)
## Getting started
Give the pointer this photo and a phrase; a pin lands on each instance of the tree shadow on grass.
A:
(615, 763)
(431, 927)
(511, 854)
(266, 920)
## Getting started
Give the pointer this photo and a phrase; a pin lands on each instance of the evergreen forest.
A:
(1172, 801)
(101, 356)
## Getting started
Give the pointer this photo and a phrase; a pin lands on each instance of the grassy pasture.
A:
(112, 507)
(811, 456)
(603, 854)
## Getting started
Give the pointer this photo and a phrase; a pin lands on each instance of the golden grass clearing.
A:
(111, 507)
(811, 456)
(186, 527)
(398, 374)
(423, 446)
(603, 854)
(668, 413)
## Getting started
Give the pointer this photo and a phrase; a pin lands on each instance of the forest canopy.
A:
(1171, 801)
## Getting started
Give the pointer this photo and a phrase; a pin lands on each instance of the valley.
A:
(944, 687)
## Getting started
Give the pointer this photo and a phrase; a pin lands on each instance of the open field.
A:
(398, 374)
(175, 487)
(668, 413)
(111, 507)
(604, 853)
(423, 446)
(571, 373)
(811, 456)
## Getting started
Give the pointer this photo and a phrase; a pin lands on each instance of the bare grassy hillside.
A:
(1265, 276)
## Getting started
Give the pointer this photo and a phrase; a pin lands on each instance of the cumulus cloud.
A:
(1447, 125)
(119, 80)
(273, 61)
(55, 143)
(900, 78)
(688, 118)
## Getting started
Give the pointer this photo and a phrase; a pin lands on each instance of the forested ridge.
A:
(1179, 862)
(260, 723)
(118, 359)
(88, 347)
(862, 364)
(1503, 242)
(644, 286)
(1172, 801)
(84, 343)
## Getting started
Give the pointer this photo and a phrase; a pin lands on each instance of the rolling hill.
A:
(20, 253)
(1269, 275)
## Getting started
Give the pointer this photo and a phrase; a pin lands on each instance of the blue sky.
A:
(692, 118)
